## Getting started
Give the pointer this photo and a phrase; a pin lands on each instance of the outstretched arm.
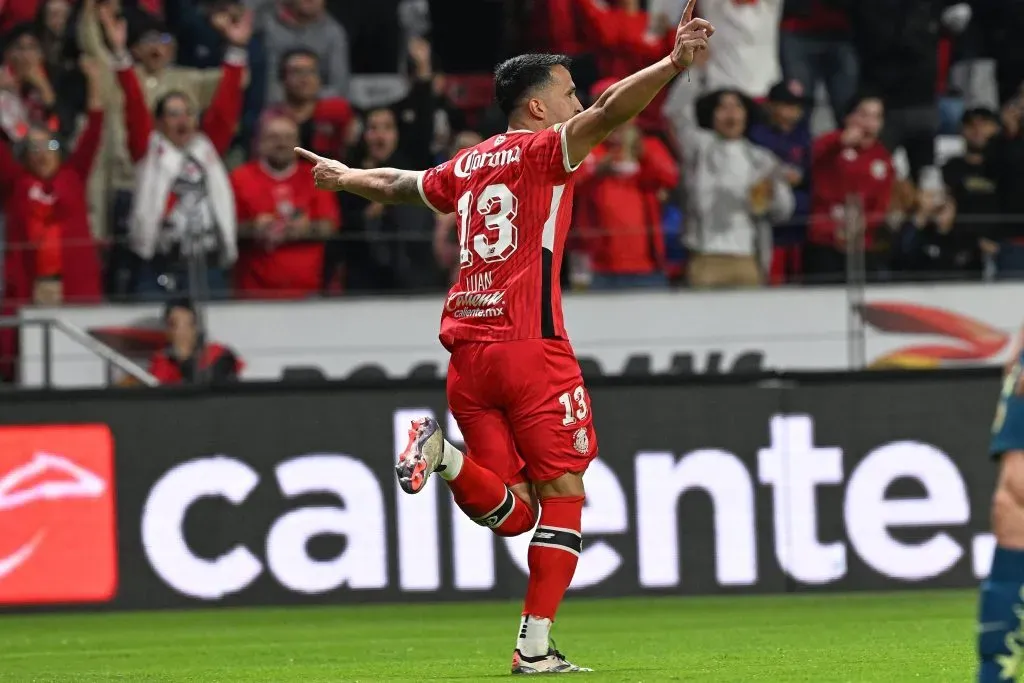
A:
(382, 185)
(630, 96)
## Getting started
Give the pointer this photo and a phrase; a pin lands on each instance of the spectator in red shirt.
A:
(325, 123)
(619, 212)
(571, 27)
(282, 219)
(617, 35)
(586, 30)
(850, 170)
(640, 37)
(555, 27)
(51, 257)
(188, 358)
(632, 41)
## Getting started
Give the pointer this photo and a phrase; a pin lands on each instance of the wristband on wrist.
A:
(122, 60)
(236, 55)
(672, 59)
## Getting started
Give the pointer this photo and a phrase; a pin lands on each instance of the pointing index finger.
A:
(307, 155)
(688, 12)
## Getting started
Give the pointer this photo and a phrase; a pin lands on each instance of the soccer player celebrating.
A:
(1000, 632)
(514, 385)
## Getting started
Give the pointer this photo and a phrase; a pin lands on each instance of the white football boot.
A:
(535, 636)
(422, 456)
(554, 662)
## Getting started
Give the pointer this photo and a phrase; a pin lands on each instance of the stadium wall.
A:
(930, 326)
(282, 494)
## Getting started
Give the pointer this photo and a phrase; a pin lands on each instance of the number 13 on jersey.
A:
(498, 207)
(579, 411)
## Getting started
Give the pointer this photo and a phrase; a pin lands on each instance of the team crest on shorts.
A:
(580, 441)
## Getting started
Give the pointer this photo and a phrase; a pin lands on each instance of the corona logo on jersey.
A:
(57, 514)
(474, 160)
(486, 304)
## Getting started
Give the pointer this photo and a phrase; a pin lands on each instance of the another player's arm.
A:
(381, 185)
(630, 96)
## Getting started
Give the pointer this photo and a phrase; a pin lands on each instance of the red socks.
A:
(554, 552)
(487, 501)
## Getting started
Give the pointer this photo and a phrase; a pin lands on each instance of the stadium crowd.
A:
(146, 146)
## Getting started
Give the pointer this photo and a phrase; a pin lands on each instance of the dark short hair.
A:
(180, 302)
(141, 23)
(294, 52)
(161, 104)
(862, 97)
(979, 114)
(707, 104)
(380, 108)
(519, 76)
(17, 33)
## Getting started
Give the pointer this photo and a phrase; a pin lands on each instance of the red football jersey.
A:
(293, 269)
(513, 196)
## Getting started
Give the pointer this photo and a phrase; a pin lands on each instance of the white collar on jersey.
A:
(518, 131)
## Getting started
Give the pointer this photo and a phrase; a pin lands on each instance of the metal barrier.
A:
(856, 280)
(112, 358)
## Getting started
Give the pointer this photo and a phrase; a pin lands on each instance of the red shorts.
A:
(522, 408)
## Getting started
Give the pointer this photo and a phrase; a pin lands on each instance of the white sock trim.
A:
(452, 461)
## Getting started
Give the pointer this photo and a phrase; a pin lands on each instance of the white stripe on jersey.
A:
(423, 195)
(569, 168)
(547, 237)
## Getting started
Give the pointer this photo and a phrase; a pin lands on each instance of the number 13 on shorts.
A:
(575, 405)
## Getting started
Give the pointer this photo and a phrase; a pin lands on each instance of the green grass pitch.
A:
(856, 638)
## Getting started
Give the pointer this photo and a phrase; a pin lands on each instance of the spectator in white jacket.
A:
(735, 191)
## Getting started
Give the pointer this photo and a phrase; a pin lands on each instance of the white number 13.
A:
(581, 411)
(498, 206)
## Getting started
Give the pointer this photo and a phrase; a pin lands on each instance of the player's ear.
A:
(536, 108)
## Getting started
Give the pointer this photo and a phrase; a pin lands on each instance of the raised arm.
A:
(221, 119)
(630, 96)
(88, 145)
(138, 120)
(90, 33)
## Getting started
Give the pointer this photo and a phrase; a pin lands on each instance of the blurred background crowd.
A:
(146, 145)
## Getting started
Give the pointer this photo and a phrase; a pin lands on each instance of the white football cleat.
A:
(422, 456)
(551, 663)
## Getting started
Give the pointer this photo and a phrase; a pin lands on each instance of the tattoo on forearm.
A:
(385, 185)
(406, 188)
